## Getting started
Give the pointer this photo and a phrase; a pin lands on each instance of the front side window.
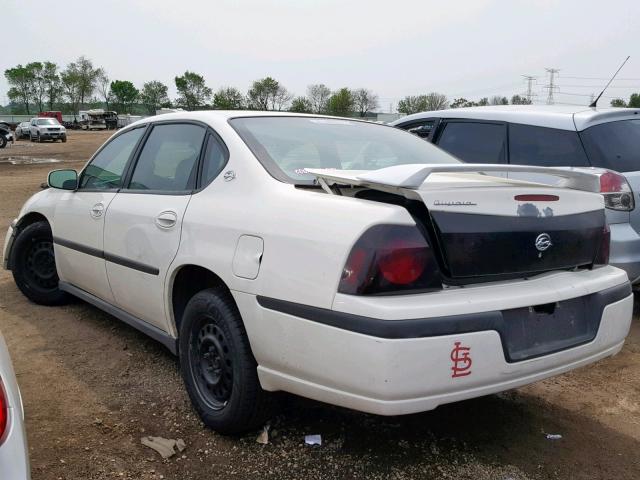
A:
(422, 128)
(614, 145)
(287, 146)
(545, 147)
(107, 167)
(474, 142)
(169, 159)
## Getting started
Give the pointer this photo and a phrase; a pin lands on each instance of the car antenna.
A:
(594, 104)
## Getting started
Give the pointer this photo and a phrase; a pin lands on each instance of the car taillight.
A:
(4, 413)
(602, 257)
(616, 191)
(389, 259)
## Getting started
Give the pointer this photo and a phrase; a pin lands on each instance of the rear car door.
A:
(78, 222)
(473, 141)
(144, 221)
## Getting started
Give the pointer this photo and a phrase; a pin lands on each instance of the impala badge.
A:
(543, 242)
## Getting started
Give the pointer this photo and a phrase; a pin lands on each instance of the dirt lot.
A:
(93, 386)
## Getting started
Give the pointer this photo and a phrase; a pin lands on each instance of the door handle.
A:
(97, 210)
(166, 219)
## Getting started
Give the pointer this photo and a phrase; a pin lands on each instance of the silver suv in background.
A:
(47, 128)
(553, 136)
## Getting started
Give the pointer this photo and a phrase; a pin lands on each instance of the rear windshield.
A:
(287, 146)
(48, 121)
(614, 145)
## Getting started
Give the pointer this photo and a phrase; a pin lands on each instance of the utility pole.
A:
(530, 79)
(551, 87)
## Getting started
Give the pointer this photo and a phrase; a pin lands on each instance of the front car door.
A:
(78, 222)
(144, 220)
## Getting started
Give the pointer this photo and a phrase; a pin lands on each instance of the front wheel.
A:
(218, 367)
(3, 141)
(64, 139)
(34, 265)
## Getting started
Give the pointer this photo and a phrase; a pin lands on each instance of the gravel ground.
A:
(92, 387)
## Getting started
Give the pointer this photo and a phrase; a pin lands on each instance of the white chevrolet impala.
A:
(340, 260)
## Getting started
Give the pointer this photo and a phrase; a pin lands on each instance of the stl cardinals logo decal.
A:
(461, 358)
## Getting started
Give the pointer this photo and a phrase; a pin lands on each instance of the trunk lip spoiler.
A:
(412, 176)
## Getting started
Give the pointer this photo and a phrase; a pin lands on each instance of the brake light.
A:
(4, 413)
(616, 191)
(389, 259)
(602, 257)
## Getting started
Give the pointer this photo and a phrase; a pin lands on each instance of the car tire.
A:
(64, 139)
(33, 265)
(3, 141)
(39, 138)
(218, 367)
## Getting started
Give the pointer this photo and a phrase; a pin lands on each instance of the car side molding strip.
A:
(146, 328)
(94, 252)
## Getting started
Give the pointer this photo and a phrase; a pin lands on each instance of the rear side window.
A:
(614, 145)
(474, 142)
(169, 159)
(106, 169)
(545, 147)
(215, 158)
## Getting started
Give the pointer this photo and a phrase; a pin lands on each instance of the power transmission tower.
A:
(530, 79)
(551, 86)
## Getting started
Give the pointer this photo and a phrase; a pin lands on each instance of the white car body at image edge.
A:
(14, 454)
(343, 261)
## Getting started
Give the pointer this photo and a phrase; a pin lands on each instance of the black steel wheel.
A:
(33, 265)
(217, 365)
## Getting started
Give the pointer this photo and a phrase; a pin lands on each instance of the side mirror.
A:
(63, 179)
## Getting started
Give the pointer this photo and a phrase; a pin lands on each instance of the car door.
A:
(144, 220)
(78, 222)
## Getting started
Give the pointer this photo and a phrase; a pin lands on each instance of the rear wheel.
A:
(3, 141)
(217, 365)
(39, 138)
(34, 265)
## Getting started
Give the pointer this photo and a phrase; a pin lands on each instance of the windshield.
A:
(614, 145)
(287, 146)
(48, 121)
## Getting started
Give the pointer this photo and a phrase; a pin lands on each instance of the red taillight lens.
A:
(602, 258)
(4, 412)
(389, 259)
(616, 191)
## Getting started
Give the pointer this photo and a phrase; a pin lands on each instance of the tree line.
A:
(39, 86)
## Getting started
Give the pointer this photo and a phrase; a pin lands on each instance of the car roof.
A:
(565, 117)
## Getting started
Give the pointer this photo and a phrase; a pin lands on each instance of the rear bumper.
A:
(625, 250)
(393, 376)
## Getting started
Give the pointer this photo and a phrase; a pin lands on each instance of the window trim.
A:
(126, 166)
(134, 161)
(437, 135)
(211, 136)
(413, 123)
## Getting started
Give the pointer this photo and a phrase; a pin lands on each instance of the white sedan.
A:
(344, 261)
(23, 130)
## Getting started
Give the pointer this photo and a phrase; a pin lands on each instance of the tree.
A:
(301, 105)
(21, 80)
(282, 99)
(154, 95)
(262, 94)
(79, 81)
(39, 86)
(498, 100)
(483, 102)
(634, 100)
(423, 103)
(70, 87)
(192, 90)
(341, 103)
(462, 102)
(124, 94)
(104, 86)
(228, 98)
(318, 95)
(53, 86)
(618, 102)
(365, 101)
(520, 100)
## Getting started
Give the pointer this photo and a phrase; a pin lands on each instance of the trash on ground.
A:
(263, 436)
(313, 439)
(553, 436)
(166, 447)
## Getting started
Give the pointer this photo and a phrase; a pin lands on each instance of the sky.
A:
(465, 48)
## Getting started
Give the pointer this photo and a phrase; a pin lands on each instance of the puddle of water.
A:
(28, 160)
